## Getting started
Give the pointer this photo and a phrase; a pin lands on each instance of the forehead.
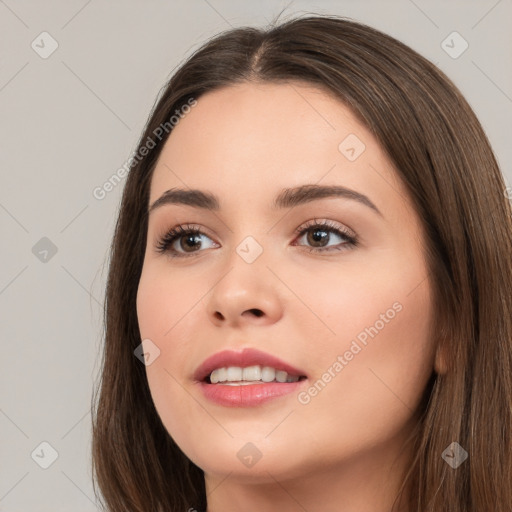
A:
(249, 118)
(262, 137)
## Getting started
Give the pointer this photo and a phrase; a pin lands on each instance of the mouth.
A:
(246, 378)
(248, 365)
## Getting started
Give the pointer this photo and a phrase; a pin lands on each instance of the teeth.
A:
(234, 373)
(251, 373)
(268, 374)
(281, 376)
(219, 375)
(248, 375)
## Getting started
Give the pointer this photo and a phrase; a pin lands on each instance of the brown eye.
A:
(181, 241)
(319, 234)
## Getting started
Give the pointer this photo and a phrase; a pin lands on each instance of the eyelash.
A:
(164, 244)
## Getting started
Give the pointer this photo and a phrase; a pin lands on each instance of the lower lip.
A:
(247, 395)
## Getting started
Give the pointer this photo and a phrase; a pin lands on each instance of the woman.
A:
(308, 303)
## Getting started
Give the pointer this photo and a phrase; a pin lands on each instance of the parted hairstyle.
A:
(443, 157)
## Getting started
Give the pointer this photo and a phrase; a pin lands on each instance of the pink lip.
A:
(247, 396)
(251, 394)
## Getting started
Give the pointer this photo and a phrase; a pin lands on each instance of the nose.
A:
(248, 293)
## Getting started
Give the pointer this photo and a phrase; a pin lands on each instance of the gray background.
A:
(69, 121)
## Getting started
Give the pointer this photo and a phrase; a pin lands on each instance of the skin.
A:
(341, 451)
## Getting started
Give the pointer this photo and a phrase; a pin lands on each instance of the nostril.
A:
(256, 312)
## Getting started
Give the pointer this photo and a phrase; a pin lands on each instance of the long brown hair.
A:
(444, 158)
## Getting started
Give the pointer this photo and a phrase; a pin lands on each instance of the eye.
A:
(320, 233)
(187, 238)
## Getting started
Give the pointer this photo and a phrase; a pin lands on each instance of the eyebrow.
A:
(287, 198)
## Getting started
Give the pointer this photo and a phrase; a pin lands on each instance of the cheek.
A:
(163, 300)
(162, 304)
(383, 301)
(375, 368)
(168, 313)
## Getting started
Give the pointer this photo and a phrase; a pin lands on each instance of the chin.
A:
(259, 461)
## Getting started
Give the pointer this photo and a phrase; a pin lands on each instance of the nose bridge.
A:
(246, 270)
(249, 243)
(246, 289)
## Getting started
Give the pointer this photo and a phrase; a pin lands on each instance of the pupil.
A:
(317, 237)
(193, 239)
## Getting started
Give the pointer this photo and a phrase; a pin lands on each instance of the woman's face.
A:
(350, 320)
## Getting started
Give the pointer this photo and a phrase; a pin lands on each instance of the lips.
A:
(245, 358)
(247, 394)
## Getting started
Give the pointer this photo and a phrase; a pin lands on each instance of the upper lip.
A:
(244, 358)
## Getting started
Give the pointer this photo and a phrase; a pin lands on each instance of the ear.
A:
(441, 360)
